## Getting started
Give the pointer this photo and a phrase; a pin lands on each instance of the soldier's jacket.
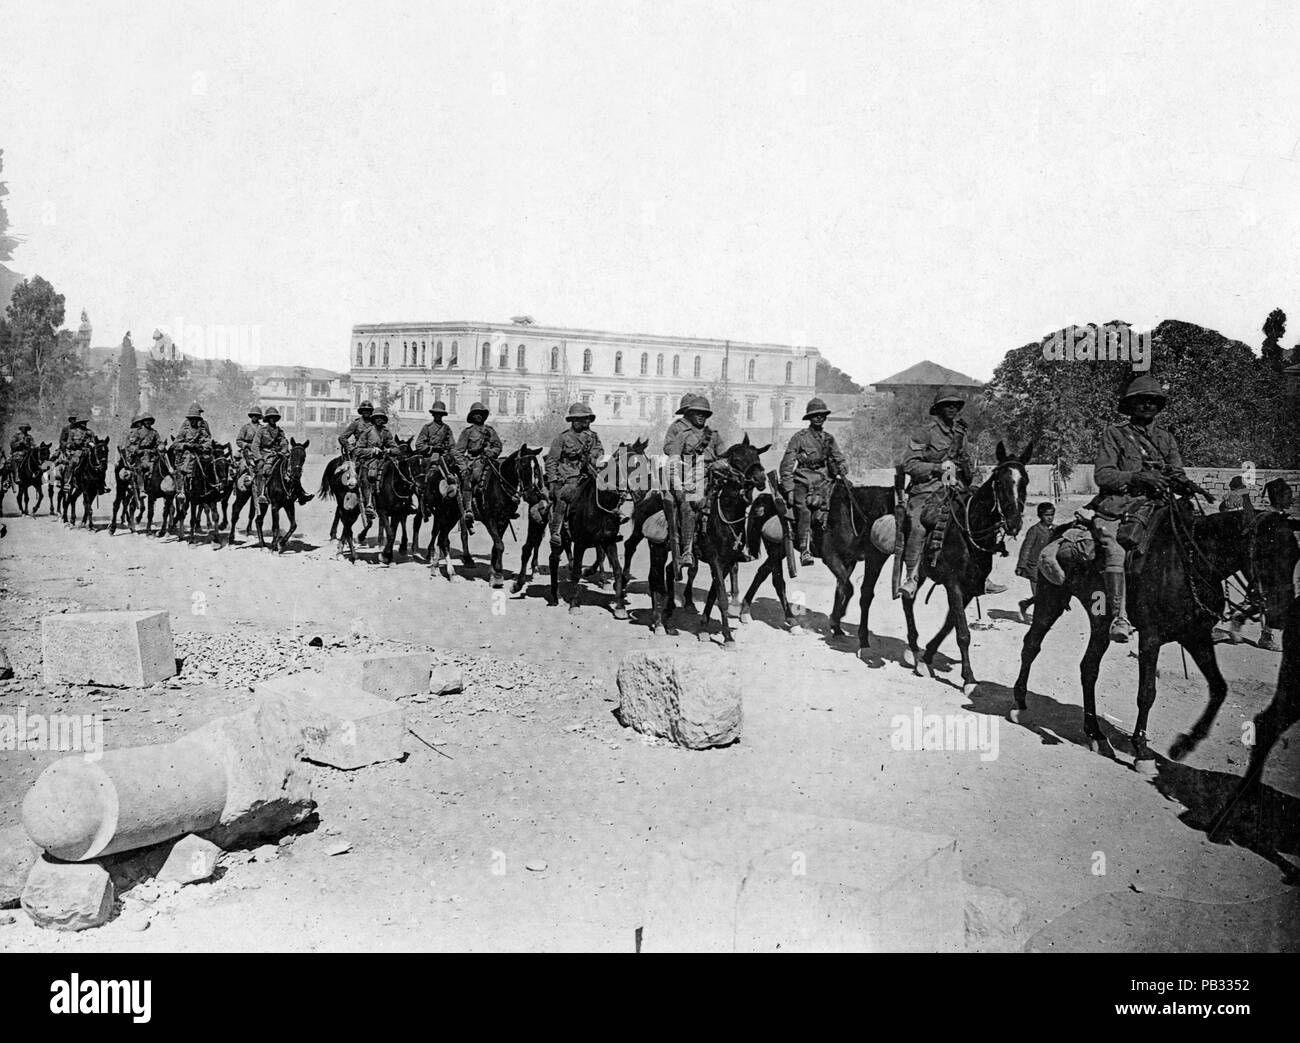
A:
(374, 441)
(247, 434)
(357, 426)
(929, 448)
(21, 443)
(270, 443)
(685, 440)
(434, 438)
(477, 440)
(142, 440)
(194, 436)
(79, 438)
(1125, 451)
(63, 436)
(806, 457)
(569, 452)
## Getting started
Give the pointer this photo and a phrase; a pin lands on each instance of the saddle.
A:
(936, 516)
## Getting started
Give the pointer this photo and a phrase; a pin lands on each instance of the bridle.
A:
(997, 529)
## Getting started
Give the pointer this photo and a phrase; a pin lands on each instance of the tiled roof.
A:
(928, 374)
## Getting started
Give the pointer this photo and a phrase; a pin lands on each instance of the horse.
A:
(124, 493)
(223, 462)
(85, 482)
(439, 504)
(281, 494)
(1277, 559)
(196, 493)
(55, 469)
(394, 487)
(337, 483)
(27, 474)
(766, 533)
(854, 510)
(1177, 596)
(593, 520)
(505, 482)
(966, 557)
(160, 484)
(721, 530)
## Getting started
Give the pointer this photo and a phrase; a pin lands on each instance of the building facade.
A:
(522, 371)
(313, 403)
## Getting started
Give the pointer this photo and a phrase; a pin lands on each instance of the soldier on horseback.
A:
(692, 446)
(812, 460)
(19, 446)
(194, 439)
(435, 443)
(356, 427)
(269, 445)
(573, 453)
(63, 434)
(373, 443)
(244, 444)
(1136, 462)
(478, 443)
(141, 448)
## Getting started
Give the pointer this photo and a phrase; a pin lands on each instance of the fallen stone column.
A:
(115, 648)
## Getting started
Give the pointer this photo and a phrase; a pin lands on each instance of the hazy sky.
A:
(888, 181)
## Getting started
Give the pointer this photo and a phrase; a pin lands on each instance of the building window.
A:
(503, 403)
(659, 405)
(437, 354)
(451, 398)
(359, 355)
(288, 412)
(424, 355)
(455, 355)
(356, 395)
(521, 357)
(677, 365)
(618, 362)
(749, 373)
(385, 354)
(419, 399)
(586, 399)
(645, 363)
(643, 402)
(519, 403)
(618, 404)
(487, 356)
(789, 374)
(586, 361)
(504, 361)
(372, 354)
(785, 412)
(553, 397)
(310, 412)
(749, 409)
(724, 368)
(555, 360)
(659, 365)
(403, 354)
(697, 367)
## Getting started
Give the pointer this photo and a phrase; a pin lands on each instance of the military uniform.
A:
(193, 438)
(244, 441)
(357, 426)
(478, 443)
(270, 444)
(19, 446)
(572, 453)
(696, 448)
(80, 438)
(63, 434)
(812, 458)
(374, 442)
(142, 446)
(434, 440)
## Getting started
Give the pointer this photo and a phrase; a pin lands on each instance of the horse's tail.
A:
(326, 490)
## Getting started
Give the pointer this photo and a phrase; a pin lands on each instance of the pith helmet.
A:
(364, 407)
(72, 418)
(697, 404)
(24, 426)
(1142, 384)
(194, 410)
(147, 419)
(477, 407)
(816, 407)
(580, 411)
(378, 413)
(255, 411)
(135, 421)
(944, 396)
(439, 408)
(271, 413)
(681, 406)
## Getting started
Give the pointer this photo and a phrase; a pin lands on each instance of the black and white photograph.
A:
(661, 477)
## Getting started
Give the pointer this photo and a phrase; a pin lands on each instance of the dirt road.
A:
(534, 770)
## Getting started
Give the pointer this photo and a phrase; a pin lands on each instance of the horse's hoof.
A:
(573, 609)
(729, 644)
(836, 631)
(1146, 767)
(497, 583)
(620, 613)
(907, 658)
(745, 616)
(917, 671)
(1015, 714)
(968, 689)
(1182, 746)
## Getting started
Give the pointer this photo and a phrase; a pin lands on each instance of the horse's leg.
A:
(498, 555)
(261, 517)
(957, 603)
(745, 606)
(629, 549)
(718, 592)
(575, 574)
(290, 512)
(688, 588)
(620, 599)
(871, 566)
(1048, 606)
(733, 581)
(914, 653)
(655, 581)
(554, 598)
(1149, 642)
(843, 573)
(775, 562)
(1201, 648)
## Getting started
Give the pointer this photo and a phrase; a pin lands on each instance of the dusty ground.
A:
(535, 769)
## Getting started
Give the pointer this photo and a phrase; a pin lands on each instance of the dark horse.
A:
(1277, 556)
(124, 494)
(202, 491)
(976, 525)
(719, 535)
(28, 474)
(1177, 596)
(85, 482)
(394, 488)
(281, 495)
(160, 484)
(593, 520)
(848, 540)
(338, 483)
(506, 482)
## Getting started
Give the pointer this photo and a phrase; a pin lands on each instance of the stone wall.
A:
(1215, 480)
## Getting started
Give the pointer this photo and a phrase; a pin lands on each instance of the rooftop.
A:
(927, 374)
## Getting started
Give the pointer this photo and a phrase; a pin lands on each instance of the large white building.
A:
(632, 381)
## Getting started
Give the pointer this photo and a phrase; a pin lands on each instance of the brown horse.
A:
(85, 481)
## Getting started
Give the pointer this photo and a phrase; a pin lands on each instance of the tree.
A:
(726, 413)
(832, 380)
(229, 398)
(44, 370)
(128, 379)
(1274, 331)
(879, 437)
(173, 390)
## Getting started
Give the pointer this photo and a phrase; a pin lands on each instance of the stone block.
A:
(341, 726)
(68, 896)
(769, 881)
(686, 699)
(393, 676)
(113, 648)
(18, 853)
(190, 860)
(446, 680)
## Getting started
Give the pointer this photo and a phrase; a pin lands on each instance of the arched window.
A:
(618, 362)
(385, 354)
(359, 355)
(455, 356)
(487, 355)
(521, 357)
(697, 367)
(586, 360)
(372, 354)
(789, 377)
(677, 365)
(555, 360)
(424, 354)
(437, 354)
(503, 362)
(659, 365)
(645, 363)
(404, 358)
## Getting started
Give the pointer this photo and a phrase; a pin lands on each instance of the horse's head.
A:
(99, 453)
(1010, 483)
(530, 479)
(744, 460)
(297, 458)
(43, 452)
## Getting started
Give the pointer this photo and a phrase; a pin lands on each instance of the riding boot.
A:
(467, 505)
(303, 497)
(259, 489)
(558, 510)
(1120, 628)
(805, 551)
(1267, 641)
(687, 520)
(912, 559)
